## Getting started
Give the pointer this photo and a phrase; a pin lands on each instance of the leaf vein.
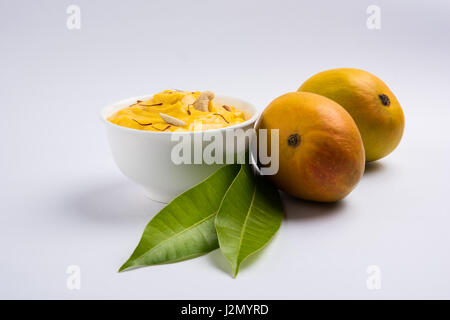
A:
(176, 235)
(245, 222)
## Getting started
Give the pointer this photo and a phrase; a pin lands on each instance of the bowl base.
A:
(157, 197)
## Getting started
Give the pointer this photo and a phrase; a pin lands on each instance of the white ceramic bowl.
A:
(145, 156)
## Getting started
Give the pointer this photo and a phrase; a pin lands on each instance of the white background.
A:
(64, 202)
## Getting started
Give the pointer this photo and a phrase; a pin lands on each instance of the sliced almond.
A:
(172, 120)
(228, 108)
(187, 100)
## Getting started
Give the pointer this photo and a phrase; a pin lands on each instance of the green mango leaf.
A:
(249, 216)
(184, 229)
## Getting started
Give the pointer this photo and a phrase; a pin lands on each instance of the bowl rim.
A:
(106, 108)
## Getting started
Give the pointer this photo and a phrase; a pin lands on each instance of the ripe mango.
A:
(369, 101)
(321, 153)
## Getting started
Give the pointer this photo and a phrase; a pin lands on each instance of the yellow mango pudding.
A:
(178, 111)
(154, 139)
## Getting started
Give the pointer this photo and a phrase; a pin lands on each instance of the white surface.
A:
(64, 202)
(145, 157)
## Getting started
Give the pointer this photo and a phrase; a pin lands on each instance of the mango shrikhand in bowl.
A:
(178, 111)
(143, 136)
